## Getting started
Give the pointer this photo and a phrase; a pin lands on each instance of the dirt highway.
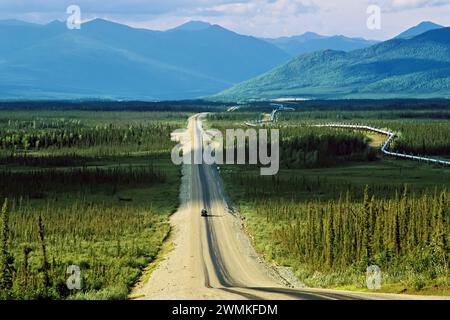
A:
(213, 257)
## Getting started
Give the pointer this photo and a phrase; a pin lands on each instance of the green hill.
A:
(406, 68)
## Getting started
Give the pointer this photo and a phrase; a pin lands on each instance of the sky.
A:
(261, 18)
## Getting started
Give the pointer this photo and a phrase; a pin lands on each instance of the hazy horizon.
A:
(211, 23)
(258, 18)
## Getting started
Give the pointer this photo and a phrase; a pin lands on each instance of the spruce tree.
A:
(6, 269)
(439, 232)
(367, 226)
(45, 264)
(26, 252)
(329, 240)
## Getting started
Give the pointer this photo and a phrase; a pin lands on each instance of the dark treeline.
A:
(428, 115)
(40, 123)
(300, 116)
(204, 105)
(423, 134)
(423, 138)
(353, 104)
(304, 147)
(299, 187)
(66, 160)
(35, 183)
(78, 136)
(104, 105)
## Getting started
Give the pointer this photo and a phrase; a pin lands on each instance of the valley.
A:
(101, 188)
(199, 60)
(257, 150)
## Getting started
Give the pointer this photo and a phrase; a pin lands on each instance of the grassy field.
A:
(91, 189)
(329, 220)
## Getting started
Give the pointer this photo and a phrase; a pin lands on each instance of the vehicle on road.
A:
(204, 212)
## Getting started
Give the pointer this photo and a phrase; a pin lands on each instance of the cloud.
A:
(401, 5)
(106, 6)
(258, 7)
(418, 3)
(267, 18)
(158, 7)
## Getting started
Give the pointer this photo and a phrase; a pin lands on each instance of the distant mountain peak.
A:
(429, 23)
(55, 23)
(105, 25)
(100, 21)
(422, 27)
(193, 26)
(310, 33)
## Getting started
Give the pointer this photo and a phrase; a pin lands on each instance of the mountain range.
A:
(417, 67)
(109, 60)
(310, 42)
(105, 59)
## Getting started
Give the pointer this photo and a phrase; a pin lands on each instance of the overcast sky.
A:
(267, 18)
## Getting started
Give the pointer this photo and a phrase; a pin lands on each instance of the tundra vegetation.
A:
(84, 188)
(94, 188)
